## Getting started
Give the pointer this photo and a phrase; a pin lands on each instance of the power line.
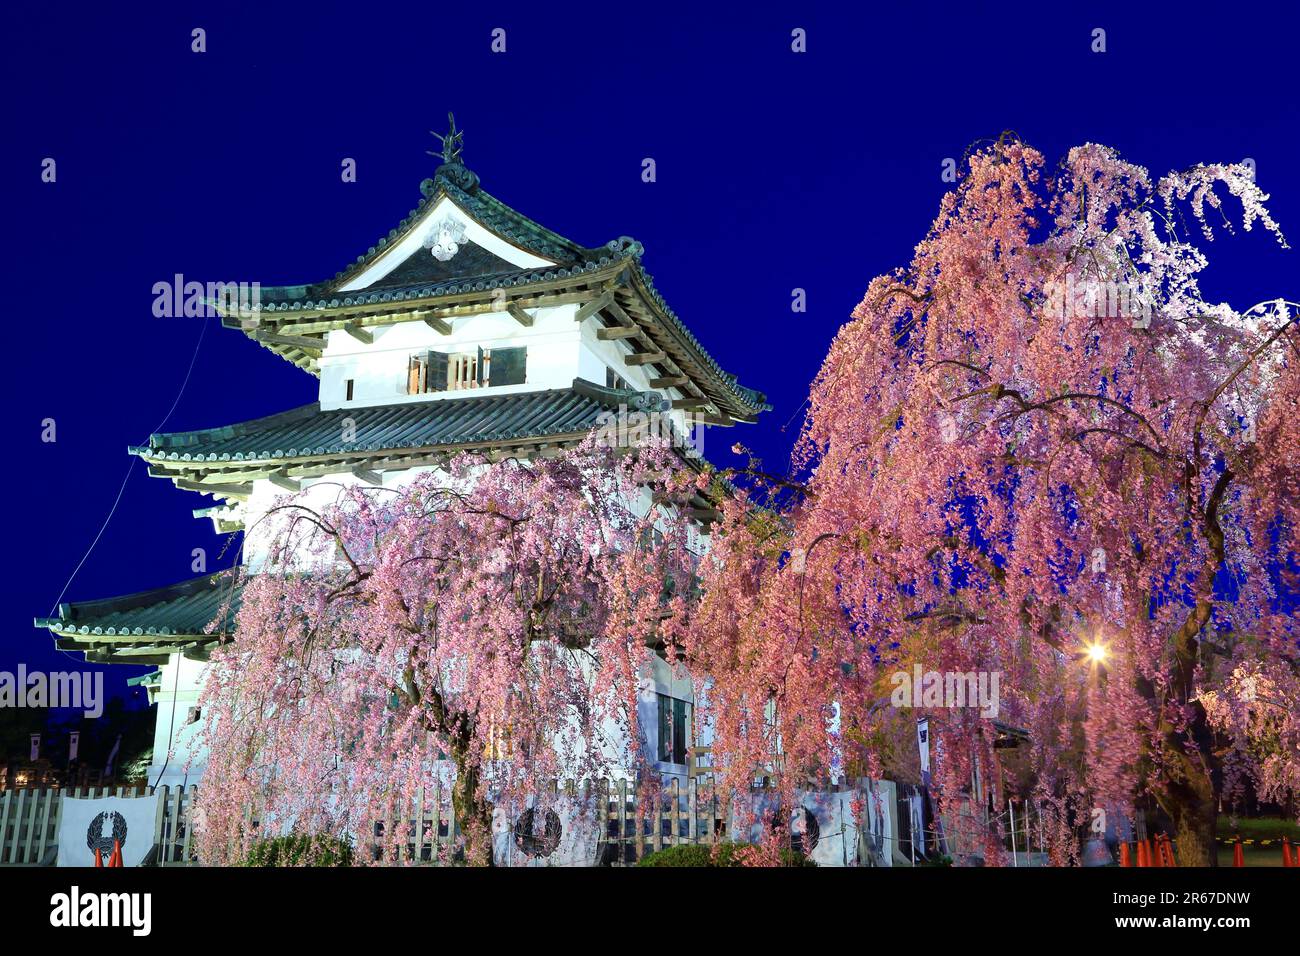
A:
(203, 327)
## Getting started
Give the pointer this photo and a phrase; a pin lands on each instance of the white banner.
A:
(558, 833)
(74, 740)
(824, 827)
(36, 747)
(826, 831)
(87, 824)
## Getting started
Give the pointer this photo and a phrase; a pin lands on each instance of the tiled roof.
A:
(184, 609)
(572, 261)
(452, 421)
(461, 186)
(300, 298)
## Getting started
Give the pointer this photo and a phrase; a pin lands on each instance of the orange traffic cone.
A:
(1156, 857)
(1286, 852)
(1124, 859)
(1238, 857)
(99, 859)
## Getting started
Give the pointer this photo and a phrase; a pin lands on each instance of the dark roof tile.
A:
(458, 419)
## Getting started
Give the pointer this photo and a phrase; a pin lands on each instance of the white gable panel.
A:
(413, 244)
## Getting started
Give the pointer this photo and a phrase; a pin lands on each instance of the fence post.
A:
(453, 825)
(417, 838)
(436, 843)
(51, 796)
(31, 823)
(659, 797)
(176, 818)
(6, 798)
(158, 823)
(189, 822)
(677, 813)
(56, 814)
(15, 848)
(692, 810)
(622, 821)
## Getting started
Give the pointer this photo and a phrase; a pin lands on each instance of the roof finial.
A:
(452, 142)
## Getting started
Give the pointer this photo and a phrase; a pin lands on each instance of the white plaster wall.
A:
(379, 370)
(316, 494)
(178, 691)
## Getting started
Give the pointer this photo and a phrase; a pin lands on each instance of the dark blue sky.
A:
(776, 170)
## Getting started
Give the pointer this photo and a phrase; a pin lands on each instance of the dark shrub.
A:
(727, 855)
(300, 849)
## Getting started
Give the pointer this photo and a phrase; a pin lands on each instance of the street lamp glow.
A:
(1097, 653)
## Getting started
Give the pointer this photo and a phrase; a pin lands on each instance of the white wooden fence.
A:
(29, 822)
(687, 812)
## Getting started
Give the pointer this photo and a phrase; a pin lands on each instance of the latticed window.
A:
(464, 370)
(426, 372)
(450, 372)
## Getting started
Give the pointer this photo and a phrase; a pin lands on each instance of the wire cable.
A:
(203, 328)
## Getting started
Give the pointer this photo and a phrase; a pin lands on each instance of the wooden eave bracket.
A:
(281, 479)
(364, 336)
(519, 315)
(305, 342)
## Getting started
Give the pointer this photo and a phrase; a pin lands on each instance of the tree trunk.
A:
(473, 813)
(1194, 832)
(1190, 798)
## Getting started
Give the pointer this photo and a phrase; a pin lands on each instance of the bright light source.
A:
(1097, 653)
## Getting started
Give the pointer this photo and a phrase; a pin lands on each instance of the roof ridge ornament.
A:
(452, 169)
(453, 144)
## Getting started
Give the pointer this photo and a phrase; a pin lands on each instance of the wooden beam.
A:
(281, 480)
(615, 332)
(726, 421)
(691, 402)
(479, 303)
(438, 325)
(617, 312)
(519, 315)
(669, 381)
(369, 477)
(594, 306)
(361, 335)
(645, 358)
(291, 341)
(200, 651)
(220, 490)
